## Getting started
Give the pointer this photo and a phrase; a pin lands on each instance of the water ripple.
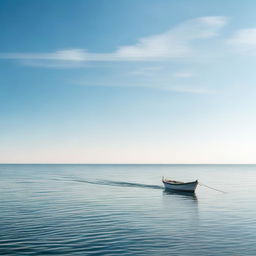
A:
(67, 210)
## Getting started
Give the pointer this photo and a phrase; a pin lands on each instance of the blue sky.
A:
(131, 81)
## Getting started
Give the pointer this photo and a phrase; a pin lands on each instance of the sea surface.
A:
(124, 210)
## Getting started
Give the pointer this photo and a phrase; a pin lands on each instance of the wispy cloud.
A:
(146, 71)
(183, 74)
(168, 86)
(172, 44)
(244, 41)
(67, 55)
(192, 89)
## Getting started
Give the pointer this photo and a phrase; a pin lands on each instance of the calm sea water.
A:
(123, 210)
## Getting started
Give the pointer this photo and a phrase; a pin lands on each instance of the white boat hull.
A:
(188, 187)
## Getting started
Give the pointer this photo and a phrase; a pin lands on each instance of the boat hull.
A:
(188, 187)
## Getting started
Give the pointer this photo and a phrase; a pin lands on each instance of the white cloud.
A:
(244, 40)
(175, 43)
(163, 46)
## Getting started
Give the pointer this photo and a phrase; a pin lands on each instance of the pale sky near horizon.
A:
(131, 81)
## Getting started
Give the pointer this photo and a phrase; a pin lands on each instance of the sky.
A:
(131, 81)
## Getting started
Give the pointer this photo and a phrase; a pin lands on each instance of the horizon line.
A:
(127, 163)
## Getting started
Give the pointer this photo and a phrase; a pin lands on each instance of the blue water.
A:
(123, 210)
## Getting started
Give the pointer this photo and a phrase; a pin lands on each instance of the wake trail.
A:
(119, 184)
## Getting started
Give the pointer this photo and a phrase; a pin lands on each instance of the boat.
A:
(180, 186)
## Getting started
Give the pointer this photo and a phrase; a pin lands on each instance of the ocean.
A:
(124, 210)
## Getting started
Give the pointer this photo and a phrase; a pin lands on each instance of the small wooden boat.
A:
(180, 186)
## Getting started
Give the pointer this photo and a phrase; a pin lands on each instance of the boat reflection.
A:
(184, 194)
(182, 208)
